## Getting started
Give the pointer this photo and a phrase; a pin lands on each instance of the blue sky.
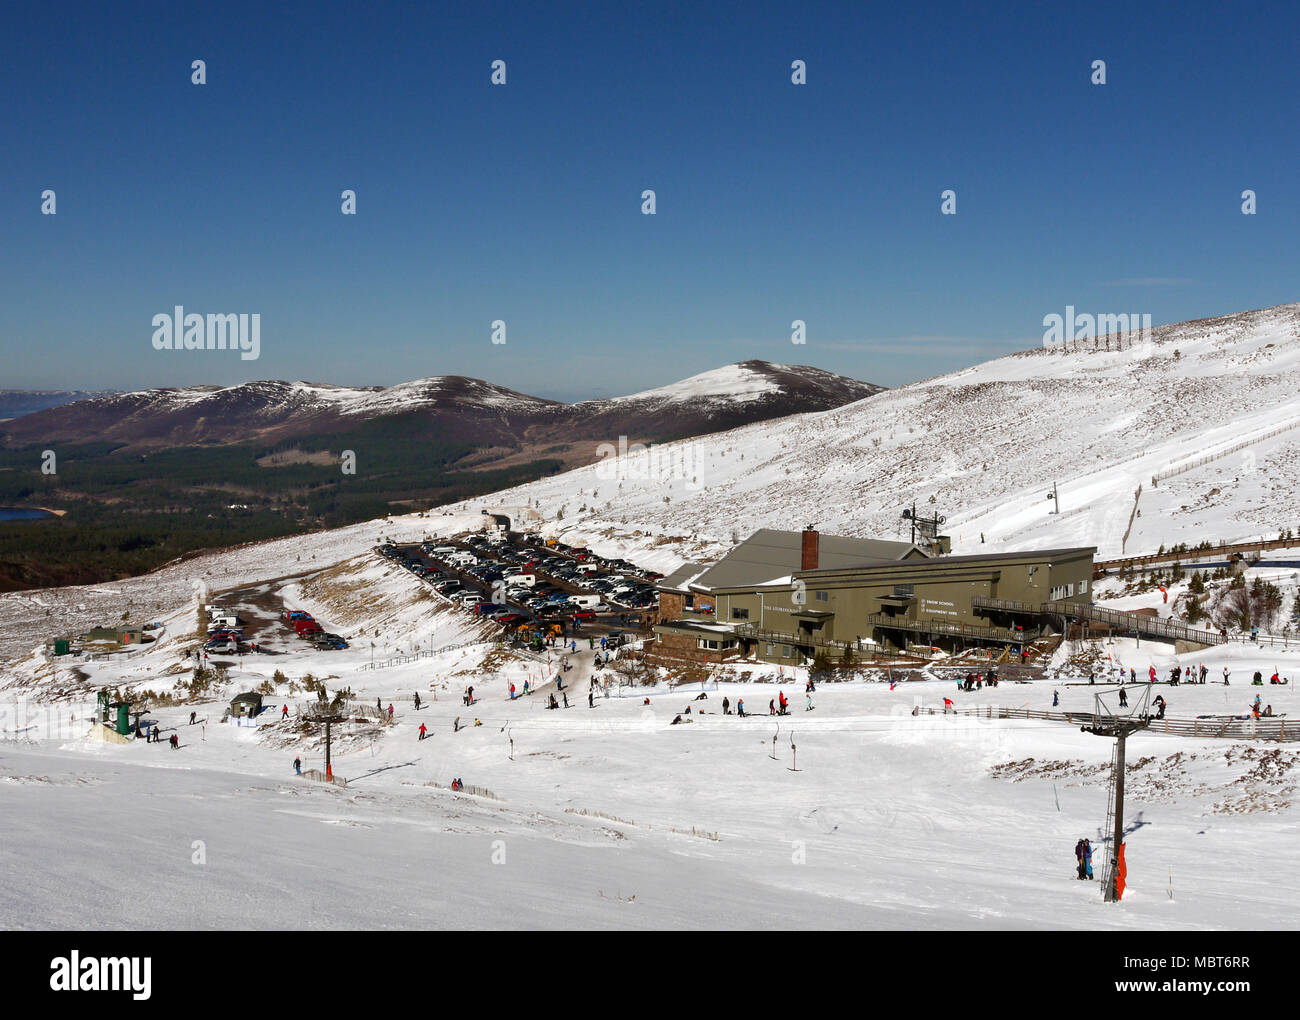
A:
(522, 202)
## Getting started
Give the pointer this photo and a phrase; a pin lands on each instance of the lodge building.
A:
(785, 596)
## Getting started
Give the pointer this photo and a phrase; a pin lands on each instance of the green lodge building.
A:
(785, 596)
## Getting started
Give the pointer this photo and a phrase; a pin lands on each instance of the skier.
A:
(390, 713)
(1078, 860)
(771, 707)
(1152, 670)
(512, 692)
(1132, 676)
(591, 699)
(297, 766)
(192, 715)
(176, 742)
(808, 707)
(1056, 699)
(740, 707)
(566, 699)
(455, 727)
(417, 701)
(1123, 698)
(284, 711)
(726, 706)
(1087, 859)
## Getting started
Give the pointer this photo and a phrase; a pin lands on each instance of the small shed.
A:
(247, 704)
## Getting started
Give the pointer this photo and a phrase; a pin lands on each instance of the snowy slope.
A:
(984, 446)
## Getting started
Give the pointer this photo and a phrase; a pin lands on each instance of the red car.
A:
(582, 614)
(511, 619)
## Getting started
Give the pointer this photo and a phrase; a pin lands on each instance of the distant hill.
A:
(454, 408)
(16, 403)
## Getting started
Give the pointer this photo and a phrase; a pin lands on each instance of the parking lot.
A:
(535, 588)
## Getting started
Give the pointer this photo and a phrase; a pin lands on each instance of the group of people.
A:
(1083, 859)
(1261, 713)
(977, 681)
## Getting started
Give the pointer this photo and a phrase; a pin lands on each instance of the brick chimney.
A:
(811, 544)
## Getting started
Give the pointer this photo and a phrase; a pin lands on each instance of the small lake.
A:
(11, 513)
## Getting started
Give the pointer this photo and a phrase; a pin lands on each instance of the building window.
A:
(823, 596)
(739, 614)
(905, 590)
(785, 651)
(771, 649)
(1061, 591)
(1083, 587)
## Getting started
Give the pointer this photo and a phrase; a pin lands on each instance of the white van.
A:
(463, 559)
(586, 601)
(443, 550)
(222, 620)
(527, 580)
(587, 568)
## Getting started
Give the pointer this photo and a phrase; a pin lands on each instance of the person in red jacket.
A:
(423, 731)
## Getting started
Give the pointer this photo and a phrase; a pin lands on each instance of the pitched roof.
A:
(680, 579)
(769, 555)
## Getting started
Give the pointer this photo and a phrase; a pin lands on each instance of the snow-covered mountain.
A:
(461, 407)
(984, 446)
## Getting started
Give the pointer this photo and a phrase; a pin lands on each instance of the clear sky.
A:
(522, 202)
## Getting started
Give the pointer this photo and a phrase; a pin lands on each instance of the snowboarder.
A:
(297, 765)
